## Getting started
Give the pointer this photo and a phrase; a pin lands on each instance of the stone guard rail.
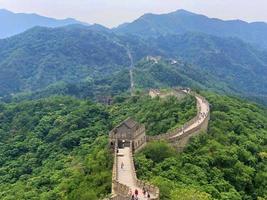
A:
(142, 184)
(119, 191)
(123, 192)
(170, 136)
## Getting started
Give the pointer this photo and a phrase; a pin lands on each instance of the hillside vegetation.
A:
(49, 149)
(158, 115)
(42, 56)
(57, 148)
(49, 61)
(231, 61)
(229, 162)
(149, 74)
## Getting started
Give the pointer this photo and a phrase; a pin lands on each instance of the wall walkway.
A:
(124, 180)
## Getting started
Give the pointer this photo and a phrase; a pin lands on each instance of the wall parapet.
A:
(119, 191)
(175, 135)
(142, 184)
(123, 192)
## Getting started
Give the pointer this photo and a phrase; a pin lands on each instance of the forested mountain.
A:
(96, 57)
(57, 148)
(240, 65)
(15, 23)
(170, 73)
(43, 56)
(227, 62)
(181, 21)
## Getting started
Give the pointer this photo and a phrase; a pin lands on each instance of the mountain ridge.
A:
(181, 21)
(15, 23)
(36, 58)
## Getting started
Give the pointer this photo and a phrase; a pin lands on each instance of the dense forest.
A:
(49, 149)
(158, 115)
(43, 60)
(165, 73)
(63, 89)
(228, 163)
(56, 148)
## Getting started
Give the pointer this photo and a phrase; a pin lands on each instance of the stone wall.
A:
(142, 184)
(139, 140)
(181, 140)
(178, 93)
(119, 191)
(123, 192)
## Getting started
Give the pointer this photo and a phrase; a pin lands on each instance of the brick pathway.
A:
(203, 109)
(126, 175)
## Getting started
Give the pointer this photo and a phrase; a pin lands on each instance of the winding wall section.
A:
(124, 180)
(180, 136)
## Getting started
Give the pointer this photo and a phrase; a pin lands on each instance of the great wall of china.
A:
(129, 137)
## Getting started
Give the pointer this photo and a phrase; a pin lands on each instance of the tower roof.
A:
(129, 122)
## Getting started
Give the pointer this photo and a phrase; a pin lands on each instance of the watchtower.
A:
(129, 133)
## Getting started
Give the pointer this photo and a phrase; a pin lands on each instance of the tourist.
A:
(148, 196)
(122, 165)
(132, 197)
(144, 191)
(136, 192)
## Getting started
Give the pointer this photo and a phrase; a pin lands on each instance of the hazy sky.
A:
(113, 12)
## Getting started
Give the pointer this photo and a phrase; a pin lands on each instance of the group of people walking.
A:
(145, 194)
(202, 116)
(135, 194)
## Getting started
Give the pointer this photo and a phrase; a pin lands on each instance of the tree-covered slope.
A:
(165, 73)
(97, 89)
(158, 115)
(93, 56)
(230, 60)
(229, 162)
(57, 147)
(49, 149)
(43, 56)
(224, 62)
(181, 21)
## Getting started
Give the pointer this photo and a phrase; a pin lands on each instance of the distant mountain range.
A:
(15, 23)
(182, 21)
(96, 57)
(43, 56)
